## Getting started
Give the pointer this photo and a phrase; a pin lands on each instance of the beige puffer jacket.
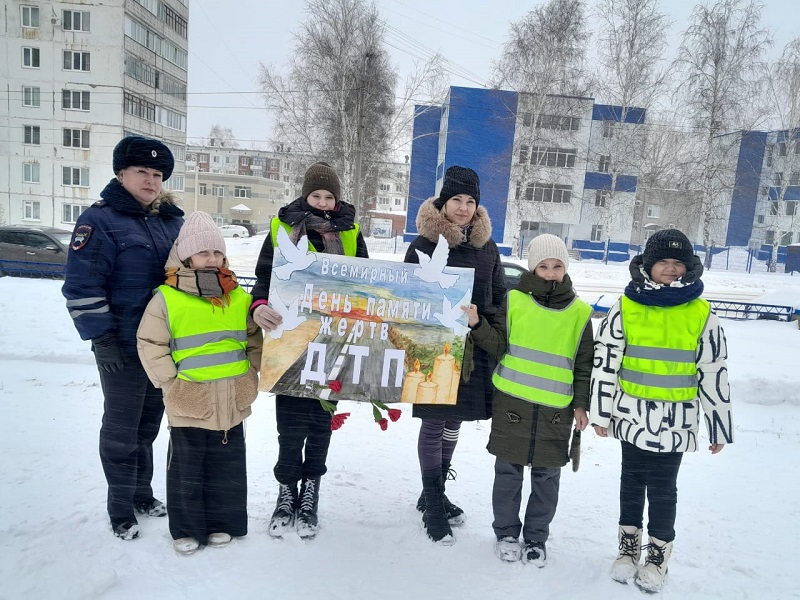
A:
(217, 405)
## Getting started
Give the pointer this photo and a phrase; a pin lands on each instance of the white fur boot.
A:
(653, 575)
(630, 551)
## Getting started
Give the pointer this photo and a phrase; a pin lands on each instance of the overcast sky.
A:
(226, 46)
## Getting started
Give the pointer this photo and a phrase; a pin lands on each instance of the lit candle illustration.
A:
(443, 374)
(426, 391)
(413, 379)
(452, 397)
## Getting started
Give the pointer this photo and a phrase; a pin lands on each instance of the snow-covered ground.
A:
(738, 515)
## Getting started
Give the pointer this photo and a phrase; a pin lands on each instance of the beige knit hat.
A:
(199, 233)
(547, 246)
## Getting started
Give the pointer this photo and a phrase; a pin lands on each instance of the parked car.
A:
(28, 251)
(235, 231)
(511, 273)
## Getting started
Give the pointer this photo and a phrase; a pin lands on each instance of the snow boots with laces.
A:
(455, 516)
(307, 523)
(653, 574)
(434, 518)
(630, 551)
(283, 516)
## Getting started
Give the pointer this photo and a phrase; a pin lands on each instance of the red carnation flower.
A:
(395, 413)
(335, 385)
(338, 420)
(384, 424)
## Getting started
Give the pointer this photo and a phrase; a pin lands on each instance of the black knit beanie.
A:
(459, 180)
(321, 176)
(667, 243)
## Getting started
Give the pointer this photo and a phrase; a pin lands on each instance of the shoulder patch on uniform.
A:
(80, 236)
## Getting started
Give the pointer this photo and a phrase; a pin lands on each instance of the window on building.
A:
(653, 212)
(398, 202)
(31, 135)
(597, 233)
(30, 172)
(244, 161)
(777, 179)
(600, 198)
(138, 107)
(76, 138)
(553, 157)
(216, 159)
(74, 177)
(175, 120)
(76, 61)
(30, 58)
(273, 177)
(274, 164)
(385, 187)
(549, 192)
(769, 236)
(286, 192)
(527, 119)
(30, 210)
(75, 20)
(175, 21)
(794, 178)
(604, 166)
(285, 179)
(608, 129)
(782, 147)
(523, 154)
(30, 16)
(791, 208)
(786, 239)
(202, 189)
(218, 190)
(797, 146)
(383, 201)
(71, 212)
(770, 155)
(559, 122)
(760, 219)
(31, 96)
(241, 191)
(773, 208)
(175, 183)
(398, 187)
(74, 100)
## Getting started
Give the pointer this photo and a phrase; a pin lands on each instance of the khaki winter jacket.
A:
(216, 405)
(525, 433)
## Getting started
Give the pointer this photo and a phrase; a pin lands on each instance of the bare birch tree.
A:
(782, 160)
(719, 62)
(336, 99)
(543, 59)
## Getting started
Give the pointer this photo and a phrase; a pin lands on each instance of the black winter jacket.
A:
(478, 251)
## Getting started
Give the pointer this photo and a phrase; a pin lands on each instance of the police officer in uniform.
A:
(116, 258)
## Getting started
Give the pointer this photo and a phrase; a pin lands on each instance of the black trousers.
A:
(207, 483)
(131, 419)
(304, 436)
(654, 474)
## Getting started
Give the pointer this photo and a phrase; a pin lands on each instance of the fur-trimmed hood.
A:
(431, 222)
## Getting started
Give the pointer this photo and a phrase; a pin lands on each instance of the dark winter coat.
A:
(526, 433)
(474, 249)
(342, 218)
(115, 261)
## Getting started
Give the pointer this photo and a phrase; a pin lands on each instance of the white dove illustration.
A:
(289, 313)
(297, 257)
(430, 267)
(451, 313)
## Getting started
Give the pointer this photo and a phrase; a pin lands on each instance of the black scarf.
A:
(644, 291)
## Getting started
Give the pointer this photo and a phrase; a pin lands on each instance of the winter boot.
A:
(507, 548)
(283, 517)
(185, 545)
(434, 518)
(128, 530)
(455, 516)
(630, 551)
(218, 540)
(307, 522)
(151, 508)
(534, 553)
(653, 574)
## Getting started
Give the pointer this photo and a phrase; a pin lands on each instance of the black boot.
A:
(308, 502)
(455, 516)
(283, 517)
(434, 518)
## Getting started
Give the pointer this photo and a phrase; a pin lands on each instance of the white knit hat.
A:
(199, 233)
(547, 246)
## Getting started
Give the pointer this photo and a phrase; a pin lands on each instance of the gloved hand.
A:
(267, 317)
(107, 353)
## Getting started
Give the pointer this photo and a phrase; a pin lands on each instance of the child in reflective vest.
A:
(199, 344)
(542, 336)
(659, 364)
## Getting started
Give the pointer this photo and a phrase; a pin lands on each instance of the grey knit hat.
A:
(199, 233)
(459, 180)
(546, 246)
(321, 176)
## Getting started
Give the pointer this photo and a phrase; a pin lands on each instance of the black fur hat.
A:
(138, 151)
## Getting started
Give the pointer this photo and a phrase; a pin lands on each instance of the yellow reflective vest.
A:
(349, 237)
(542, 345)
(660, 361)
(207, 345)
